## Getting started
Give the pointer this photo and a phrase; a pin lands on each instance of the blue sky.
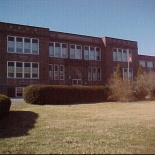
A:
(124, 19)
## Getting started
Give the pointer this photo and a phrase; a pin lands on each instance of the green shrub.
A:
(59, 94)
(5, 104)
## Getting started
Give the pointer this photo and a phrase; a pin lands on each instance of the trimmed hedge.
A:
(5, 104)
(58, 94)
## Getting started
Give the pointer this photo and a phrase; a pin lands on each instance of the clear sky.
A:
(124, 19)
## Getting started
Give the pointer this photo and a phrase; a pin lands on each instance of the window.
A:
(75, 52)
(19, 91)
(125, 73)
(62, 72)
(58, 72)
(51, 71)
(22, 45)
(35, 70)
(99, 74)
(19, 69)
(51, 49)
(89, 74)
(149, 65)
(27, 70)
(11, 69)
(121, 54)
(59, 50)
(27, 45)
(142, 63)
(94, 74)
(92, 53)
(86, 53)
(19, 45)
(11, 44)
(76, 82)
(35, 46)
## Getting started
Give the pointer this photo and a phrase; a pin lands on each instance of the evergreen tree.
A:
(119, 72)
(140, 71)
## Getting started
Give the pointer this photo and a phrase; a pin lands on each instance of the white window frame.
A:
(77, 82)
(142, 63)
(92, 54)
(62, 72)
(51, 71)
(23, 70)
(61, 50)
(121, 55)
(23, 45)
(56, 72)
(76, 54)
(16, 91)
(130, 73)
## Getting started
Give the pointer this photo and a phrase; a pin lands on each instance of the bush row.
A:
(58, 94)
(5, 104)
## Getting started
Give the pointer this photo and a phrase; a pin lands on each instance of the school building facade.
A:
(36, 55)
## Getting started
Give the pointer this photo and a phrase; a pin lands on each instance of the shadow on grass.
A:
(17, 123)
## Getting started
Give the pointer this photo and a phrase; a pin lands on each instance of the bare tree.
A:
(121, 89)
(146, 83)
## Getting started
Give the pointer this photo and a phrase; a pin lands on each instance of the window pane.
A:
(51, 71)
(119, 55)
(78, 53)
(27, 45)
(19, 45)
(124, 56)
(35, 46)
(57, 50)
(51, 50)
(11, 44)
(115, 54)
(89, 74)
(86, 53)
(64, 51)
(92, 53)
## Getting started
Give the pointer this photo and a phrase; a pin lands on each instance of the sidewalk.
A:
(17, 100)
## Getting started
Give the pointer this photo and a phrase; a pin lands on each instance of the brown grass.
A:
(87, 128)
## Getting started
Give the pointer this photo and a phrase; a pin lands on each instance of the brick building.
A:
(35, 55)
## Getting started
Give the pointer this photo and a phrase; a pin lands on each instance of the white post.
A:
(128, 64)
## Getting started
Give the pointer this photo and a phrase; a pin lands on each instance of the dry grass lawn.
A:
(104, 128)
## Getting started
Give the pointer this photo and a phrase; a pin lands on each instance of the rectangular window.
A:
(22, 45)
(19, 69)
(142, 63)
(125, 73)
(57, 50)
(92, 54)
(78, 52)
(19, 91)
(27, 45)
(51, 49)
(35, 46)
(114, 54)
(11, 69)
(19, 45)
(86, 53)
(150, 64)
(64, 51)
(97, 54)
(76, 82)
(119, 55)
(114, 71)
(22, 70)
(62, 72)
(124, 56)
(99, 74)
(56, 72)
(27, 70)
(35, 71)
(51, 72)
(94, 74)
(11, 44)
(89, 74)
